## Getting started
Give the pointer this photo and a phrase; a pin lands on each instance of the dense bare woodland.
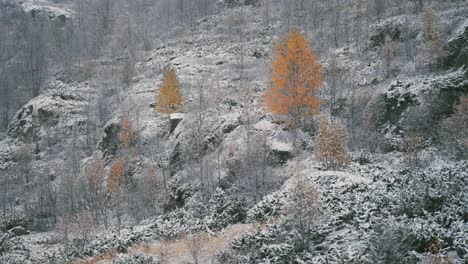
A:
(233, 131)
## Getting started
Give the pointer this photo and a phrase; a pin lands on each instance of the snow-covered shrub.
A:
(275, 245)
(9, 221)
(14, 259)
(432, 191)
(393, 243)
(4, 246)
(271, 206)
(422, 204)
(136, 259)
(303, 211)
(174, 224)
(12, 250)
(257, 248)
(225, 209)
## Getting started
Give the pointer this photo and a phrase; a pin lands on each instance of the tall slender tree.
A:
(296, 77)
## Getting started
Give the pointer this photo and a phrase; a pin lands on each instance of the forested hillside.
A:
(233, 131)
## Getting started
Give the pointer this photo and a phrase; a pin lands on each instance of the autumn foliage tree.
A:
(96, 183)
(330, 145)
(295, 78)
(169, 99)
(433, 44)
(126, 136)
(455, 130)
(114, 186)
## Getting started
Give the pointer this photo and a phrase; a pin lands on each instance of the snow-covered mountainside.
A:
(90, 172)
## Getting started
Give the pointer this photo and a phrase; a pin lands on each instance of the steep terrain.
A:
(227, 175)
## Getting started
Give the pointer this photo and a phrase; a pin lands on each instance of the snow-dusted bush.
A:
(4, 246)
(12, 250)
(393, 243)
(276, 245)
(9, 221)
(422, 204)
(14, 259)
(271, 206)
(136, 259)
(225, 209)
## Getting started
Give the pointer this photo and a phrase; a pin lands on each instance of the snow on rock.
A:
(175, 120)
(177, 116)
(419, 103)
(264, 125)
(38, 7)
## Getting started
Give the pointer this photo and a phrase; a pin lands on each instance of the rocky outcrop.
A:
(232, 3)
(458, 48)
(280, 152)
(395, 29)
(56, 109)
(110, 142)
(420, 104)
(175, 119)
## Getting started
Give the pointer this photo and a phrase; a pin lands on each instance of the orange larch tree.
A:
(169, 99)
(330, 145)
(295, 78)
(114, 187)
(115, 179)
(126, 134)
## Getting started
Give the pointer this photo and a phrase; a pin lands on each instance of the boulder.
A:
(280, 151)
(264, 125)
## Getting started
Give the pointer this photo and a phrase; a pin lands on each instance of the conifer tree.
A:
(296, 76)
(169, 99)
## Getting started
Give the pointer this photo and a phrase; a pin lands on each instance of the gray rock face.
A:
(232, 3)
(110, 141)
(420, 104)
(19, 231)
(401, 28)
(54, 109)
(175, 119)
(387, 30)
(458, 49)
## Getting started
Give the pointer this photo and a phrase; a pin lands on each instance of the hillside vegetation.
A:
(233, 131)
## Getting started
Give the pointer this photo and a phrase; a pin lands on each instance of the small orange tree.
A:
(330, 145)
(169, 99)
(433, 44)
(296, 76)
(115, 179)
(126, 135)
(114, 186)
(96, 179)
(455, 130)
(95, 174)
